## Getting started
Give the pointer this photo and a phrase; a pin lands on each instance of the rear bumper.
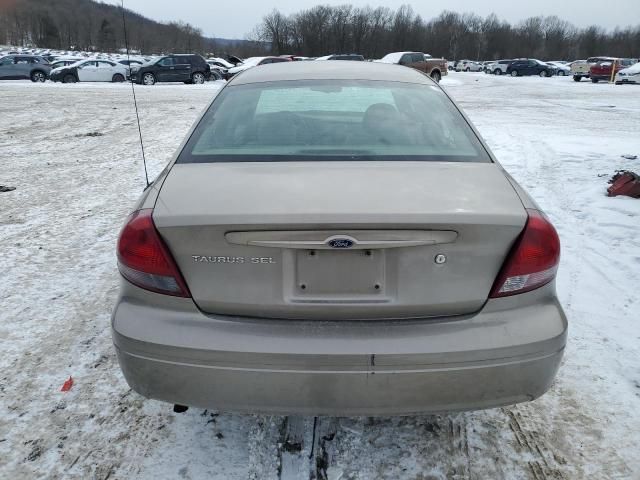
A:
(502, 355)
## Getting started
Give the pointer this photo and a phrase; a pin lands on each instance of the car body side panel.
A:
(183, 72)
(24, 69)
(8, 72)
(86, 73)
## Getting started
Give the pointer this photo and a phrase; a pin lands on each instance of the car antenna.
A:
(135, 102)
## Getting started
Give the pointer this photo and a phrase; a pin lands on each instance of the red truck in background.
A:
(602, 70)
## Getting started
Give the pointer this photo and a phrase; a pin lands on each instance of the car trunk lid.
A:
(339, 240)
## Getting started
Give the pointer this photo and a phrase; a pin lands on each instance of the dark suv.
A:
(185, 68)
(19, 67)
(530, 66)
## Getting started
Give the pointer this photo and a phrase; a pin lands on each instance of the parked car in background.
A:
(436, 68)
(468, 66)
(630, 75)
(186, 68)
(605, 70)
(298, 58)
(485, 66)
(23, 67)
(91, 70)
(130, 63)
(254, 62)
(460, 65)
(218, 73)
(499, 67)
(234, 60)
(451, 65)
(562, 69)
(530, 66)
(64, 62)
(581, 68)
(220, 62)
(219, 68)
(343, 56)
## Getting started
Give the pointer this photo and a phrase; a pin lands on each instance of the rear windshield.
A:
(320, 120)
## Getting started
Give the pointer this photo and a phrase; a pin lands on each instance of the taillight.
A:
(145, 260)
(533, 260)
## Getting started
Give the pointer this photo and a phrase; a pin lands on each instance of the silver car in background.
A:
(24, 67)
(334, 238)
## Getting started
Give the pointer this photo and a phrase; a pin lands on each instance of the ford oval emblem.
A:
(340, 243)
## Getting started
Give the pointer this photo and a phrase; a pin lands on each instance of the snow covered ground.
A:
(72, 152)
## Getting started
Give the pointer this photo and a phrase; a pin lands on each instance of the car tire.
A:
(561, 73)
(69, 78)
(514, 73)
(118, 78)
(543, 73)
(577, 78)
(497, 71)
(594, 80)
(38, 76)
(436, 76)
(215, 75)
(198, 78)
(148, 79)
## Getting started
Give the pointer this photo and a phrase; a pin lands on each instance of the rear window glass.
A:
(319, 120)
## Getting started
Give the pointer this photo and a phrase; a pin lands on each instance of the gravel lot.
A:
(72, 153)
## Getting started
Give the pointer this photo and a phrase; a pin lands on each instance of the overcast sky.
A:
(235, 18)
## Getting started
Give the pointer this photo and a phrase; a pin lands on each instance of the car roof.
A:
(287, 71)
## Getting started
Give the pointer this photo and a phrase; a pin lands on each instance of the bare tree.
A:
(372, 32)
(275, 30)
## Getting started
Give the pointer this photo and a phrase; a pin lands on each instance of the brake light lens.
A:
(533, 260)
(145, 260)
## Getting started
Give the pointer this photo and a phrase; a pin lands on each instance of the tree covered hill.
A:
(90, 25)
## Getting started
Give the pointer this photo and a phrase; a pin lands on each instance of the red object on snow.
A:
(625, 183)
(67, 385)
